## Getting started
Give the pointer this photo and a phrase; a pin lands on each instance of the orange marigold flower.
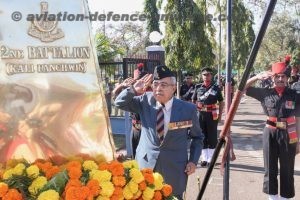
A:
(166, 190)
(73, 164)
(119, 181)
(118, 192)
(85, 192)
(142, 185)
(13, 194)
(116, 168)
(147, 170)
(73, 183)
(74, 173)
(3, 189)
(94, 187)
(77, 193)
(149, 178)
(157, 195)
(103, 166)
(45, 166)
(51, 172)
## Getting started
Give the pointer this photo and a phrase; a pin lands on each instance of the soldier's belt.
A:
(281, 123)
(288, 124)
(206, 108)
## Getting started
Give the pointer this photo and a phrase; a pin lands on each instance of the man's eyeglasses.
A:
(162, 85)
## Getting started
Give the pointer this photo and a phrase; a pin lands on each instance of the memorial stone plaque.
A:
(52, 100)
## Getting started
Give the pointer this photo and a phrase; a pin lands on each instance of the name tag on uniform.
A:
(178, 125)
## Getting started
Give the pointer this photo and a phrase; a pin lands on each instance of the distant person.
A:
(164, 121)
(187, 88)
(281, 133)
(118, 112)
(108, 88)
(209, 100)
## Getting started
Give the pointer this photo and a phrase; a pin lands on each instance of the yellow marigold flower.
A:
(103, 198)
(100, 176)
(37, 184)
(89, 165)
(8, 173)
(148, 193)
(130, 164)
(134, 187)
(49, 195)
(158, 181)
(107, 188)
(19, 169)
(137, 195)
(127, 192)
(33, 171)
(136, 175)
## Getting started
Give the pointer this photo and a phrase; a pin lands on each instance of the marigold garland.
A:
(80, 178)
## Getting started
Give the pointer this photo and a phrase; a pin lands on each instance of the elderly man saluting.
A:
(165, 121)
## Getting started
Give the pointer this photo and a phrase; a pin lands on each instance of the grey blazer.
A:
(171, 156)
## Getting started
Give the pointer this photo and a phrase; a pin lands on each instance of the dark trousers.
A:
(136, 134)
(276, 147)
(210, 130)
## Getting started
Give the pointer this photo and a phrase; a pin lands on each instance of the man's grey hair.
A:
(173, 80)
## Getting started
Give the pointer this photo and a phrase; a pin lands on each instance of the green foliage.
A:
(151, 12)
(243, 35)
(20, 182)
(57, 182)
(280, 40)
(186, 42)
(106, 49)
(296, 57)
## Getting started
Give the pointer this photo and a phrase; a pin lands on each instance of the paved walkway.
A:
(246, 172)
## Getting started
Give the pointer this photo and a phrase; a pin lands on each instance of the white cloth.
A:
(273, 197)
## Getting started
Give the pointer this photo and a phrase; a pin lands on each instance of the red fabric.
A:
(287, 58)
(279, 90)
(140, 65)
(207, 83)
(278, 68)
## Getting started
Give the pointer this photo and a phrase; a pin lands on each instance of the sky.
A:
(115, 6)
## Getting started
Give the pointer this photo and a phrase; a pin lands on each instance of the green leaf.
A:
(57, 182)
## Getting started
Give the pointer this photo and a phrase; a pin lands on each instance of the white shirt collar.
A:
(167, 106)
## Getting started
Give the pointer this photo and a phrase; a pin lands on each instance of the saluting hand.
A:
(264, 75)
(128, 82)
(141, 85)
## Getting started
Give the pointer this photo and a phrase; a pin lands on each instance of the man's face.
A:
(189, 79)
(280, 80)
(206, 76)
(163, 89)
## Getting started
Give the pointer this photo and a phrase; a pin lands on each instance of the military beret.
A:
(188, 74)
(281, 68)
(140, 65)
(162, 71)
